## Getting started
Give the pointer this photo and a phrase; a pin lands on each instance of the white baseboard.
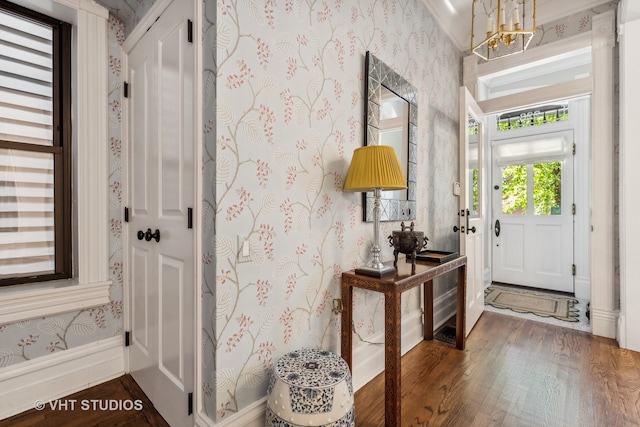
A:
(444, 307)
(59, 374)
(603, 322)
(251, 416)
(368, 361)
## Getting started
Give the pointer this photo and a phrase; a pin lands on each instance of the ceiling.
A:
(454, 16)
(450, 14)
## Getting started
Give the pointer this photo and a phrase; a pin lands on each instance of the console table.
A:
(393, 286)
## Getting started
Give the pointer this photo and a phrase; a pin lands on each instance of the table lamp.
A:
(375, 168)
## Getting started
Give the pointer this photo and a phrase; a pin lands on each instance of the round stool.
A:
(310, 388)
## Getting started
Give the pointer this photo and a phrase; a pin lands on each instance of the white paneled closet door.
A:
(161, 247)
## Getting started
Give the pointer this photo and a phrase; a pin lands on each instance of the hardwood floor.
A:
(514, 372)
(124, 391)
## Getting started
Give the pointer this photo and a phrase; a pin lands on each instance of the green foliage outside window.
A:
(474, 183)
(514, 189)
(547, 189)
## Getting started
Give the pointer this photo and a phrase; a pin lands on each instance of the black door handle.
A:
(469, 228)
(148, 235)
(497, 228)
(140, 234)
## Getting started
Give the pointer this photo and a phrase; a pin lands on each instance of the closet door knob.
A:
(148, 235)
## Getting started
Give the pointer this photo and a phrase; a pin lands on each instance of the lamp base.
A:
(383, 271)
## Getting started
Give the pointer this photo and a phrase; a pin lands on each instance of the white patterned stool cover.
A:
(310, 388)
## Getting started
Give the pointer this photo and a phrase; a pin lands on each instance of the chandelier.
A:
(501, 27)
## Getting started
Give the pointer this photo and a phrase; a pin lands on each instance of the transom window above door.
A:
(537, 116)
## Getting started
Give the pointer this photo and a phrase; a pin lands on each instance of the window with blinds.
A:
(35, 147)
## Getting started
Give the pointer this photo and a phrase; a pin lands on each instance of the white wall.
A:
(629, 30)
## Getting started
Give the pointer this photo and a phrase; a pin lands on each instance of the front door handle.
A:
(497, 228)
(472, 229)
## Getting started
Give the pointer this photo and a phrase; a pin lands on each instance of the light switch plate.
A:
(244, 249)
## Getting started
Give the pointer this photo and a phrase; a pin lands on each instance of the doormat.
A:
(540, 305)
(447, 334)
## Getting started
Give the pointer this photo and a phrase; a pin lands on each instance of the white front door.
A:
(472, 209)
(533, 211)
(161, 166)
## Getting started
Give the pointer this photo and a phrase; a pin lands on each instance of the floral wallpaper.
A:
(283, 113)
(570, 25)
(29, 339)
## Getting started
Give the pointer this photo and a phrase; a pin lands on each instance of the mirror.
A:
(391, 113)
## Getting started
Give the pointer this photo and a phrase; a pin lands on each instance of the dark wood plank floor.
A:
(514, 372)
(123, 389)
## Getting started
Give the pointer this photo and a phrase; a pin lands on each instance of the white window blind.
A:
(27, 236)
(26, 80)
(553, 148)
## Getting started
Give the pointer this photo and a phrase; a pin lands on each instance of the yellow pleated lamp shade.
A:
(374, 166)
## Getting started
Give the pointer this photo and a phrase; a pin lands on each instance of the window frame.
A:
(61, 147)
(90, 285)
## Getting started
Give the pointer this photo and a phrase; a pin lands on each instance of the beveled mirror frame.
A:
(378, 74)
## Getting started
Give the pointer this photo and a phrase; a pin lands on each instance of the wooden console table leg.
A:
(427, 293)
(392, 359)
(347, 320)
(461, 314)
